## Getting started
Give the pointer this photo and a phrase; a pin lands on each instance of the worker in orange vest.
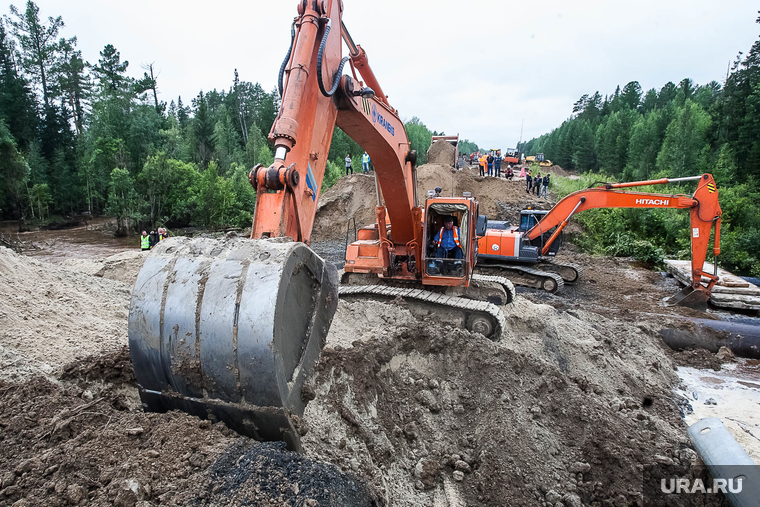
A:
(482, 162)
(447, 241)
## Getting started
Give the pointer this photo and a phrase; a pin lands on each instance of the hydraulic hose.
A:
(287, 58)
(320, 55)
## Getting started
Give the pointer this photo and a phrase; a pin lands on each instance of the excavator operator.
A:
(447, 241)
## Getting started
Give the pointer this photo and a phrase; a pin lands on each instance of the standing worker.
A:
(348, 164)
(497, 165)
(545, 187)
(144, 241)
(537, 182)
(365, 163)
(528, 182)
(482, 163)
(489, 161)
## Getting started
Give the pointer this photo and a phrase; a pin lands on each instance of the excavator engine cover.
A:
(229, 330)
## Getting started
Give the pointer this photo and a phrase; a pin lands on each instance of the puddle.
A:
(736, 392)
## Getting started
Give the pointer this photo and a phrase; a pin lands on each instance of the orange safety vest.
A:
(456, 237)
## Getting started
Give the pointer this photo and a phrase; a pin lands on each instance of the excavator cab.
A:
(528, 219)
(448, 252)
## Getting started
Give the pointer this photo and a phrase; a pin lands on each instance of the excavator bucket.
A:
(690, 297)
(230, 330)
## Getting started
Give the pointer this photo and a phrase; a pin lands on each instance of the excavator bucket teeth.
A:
(230, 330)
(691, 298)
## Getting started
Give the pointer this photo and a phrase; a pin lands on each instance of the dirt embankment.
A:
(355, 196)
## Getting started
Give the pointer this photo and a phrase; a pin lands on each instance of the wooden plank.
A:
(730, 292)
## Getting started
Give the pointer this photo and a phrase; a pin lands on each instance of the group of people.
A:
(148, 241)
(365, 164)
(536, 184)
(490, 165)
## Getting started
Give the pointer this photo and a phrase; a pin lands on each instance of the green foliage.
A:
(123, 202)
(684, 142)
(676, 131)
(40, 197)
(420, 138)
(333, 172)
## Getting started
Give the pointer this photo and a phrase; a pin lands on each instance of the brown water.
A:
(93, 241)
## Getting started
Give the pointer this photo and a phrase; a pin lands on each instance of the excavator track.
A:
(477, 316)
(569, 272)
(229, 330)
(506, 284)
(524, 276)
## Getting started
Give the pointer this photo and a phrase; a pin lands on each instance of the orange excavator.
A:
(526, 252)
(231, 329)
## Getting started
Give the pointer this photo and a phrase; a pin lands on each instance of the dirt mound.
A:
(499, 199)
(567, 406)
(441, 152)
(352, 196)
(122, 267)
(86, 441)
(50, 316)
(556, 170)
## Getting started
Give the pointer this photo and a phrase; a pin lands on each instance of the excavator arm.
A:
(316, 97)
(231, 330)
(703, 206)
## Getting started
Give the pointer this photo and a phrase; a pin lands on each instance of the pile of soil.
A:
(499, 199)
(556, 170)
(87, 442)
(565, 407)
(441, 152)
(50, 316)
(354, 196)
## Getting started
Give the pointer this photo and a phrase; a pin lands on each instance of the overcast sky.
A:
(475, 67)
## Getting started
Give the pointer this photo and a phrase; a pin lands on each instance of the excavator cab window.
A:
(444, 257)
(529, 218)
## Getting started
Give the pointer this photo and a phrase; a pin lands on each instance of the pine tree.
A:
(38, 44)
(17, 105)
(110, 69)
(203, 131)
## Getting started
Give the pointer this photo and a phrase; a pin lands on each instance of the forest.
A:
(679, 130)
(79, 137)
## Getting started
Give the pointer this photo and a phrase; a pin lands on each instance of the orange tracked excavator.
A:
(230, 330)
(536, 240)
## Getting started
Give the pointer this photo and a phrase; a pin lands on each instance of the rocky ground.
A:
(572, 406)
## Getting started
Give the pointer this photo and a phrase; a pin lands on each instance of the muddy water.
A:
(93, 241)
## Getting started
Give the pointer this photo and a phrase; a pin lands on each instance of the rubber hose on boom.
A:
(338, 74)
(287, 58)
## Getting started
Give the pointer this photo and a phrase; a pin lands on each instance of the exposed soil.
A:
(355, 196)
(569, 407)
(441, 152)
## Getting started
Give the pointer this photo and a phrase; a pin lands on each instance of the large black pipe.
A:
(742, 339)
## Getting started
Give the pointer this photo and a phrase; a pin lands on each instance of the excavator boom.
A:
(704, 210)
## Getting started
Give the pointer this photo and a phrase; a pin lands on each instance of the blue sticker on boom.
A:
(311, 183)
